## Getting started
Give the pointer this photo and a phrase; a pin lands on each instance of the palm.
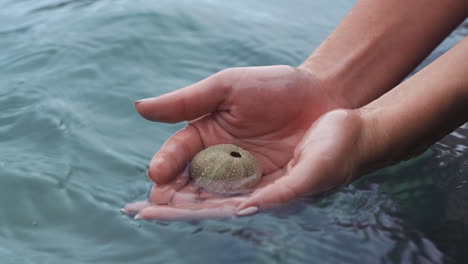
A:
(263, 115)
(264, 110)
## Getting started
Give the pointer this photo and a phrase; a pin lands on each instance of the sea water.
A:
(73, 150)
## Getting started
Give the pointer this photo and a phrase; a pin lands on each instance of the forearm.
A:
(378, 43)
(419, 111)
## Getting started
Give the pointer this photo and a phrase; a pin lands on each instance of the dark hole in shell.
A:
(236, 154)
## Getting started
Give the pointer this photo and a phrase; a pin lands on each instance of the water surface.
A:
(73, 150)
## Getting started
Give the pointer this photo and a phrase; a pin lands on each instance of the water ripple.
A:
(73, 149)
(47, 7)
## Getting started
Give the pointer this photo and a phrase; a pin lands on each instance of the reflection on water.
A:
(432, 194)
(452, 155)
(73, 150)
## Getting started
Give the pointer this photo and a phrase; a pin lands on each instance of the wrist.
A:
(373, 148)
(411, 117)
(329, 85)
(372, 144)
(355, 78)
(368, 144)
(377, 44)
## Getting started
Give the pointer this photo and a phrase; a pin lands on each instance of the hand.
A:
(265, 110)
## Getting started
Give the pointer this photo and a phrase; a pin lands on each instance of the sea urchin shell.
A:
(225, 169)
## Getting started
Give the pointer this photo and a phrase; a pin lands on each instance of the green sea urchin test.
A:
(225, 169)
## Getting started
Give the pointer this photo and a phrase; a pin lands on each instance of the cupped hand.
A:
(268, 111)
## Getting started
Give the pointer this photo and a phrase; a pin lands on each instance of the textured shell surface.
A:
(225, 169)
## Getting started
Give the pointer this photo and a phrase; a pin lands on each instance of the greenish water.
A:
(73, 150)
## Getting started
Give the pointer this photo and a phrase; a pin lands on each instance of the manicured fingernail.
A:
(141, 100)
(123, 211)
(137, 216)
(247, 211)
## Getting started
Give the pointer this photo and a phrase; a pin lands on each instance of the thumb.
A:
(309, 177)
(190, 102)
(321, 163)
(297, 182)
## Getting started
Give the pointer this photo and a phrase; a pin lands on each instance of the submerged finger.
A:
(133, 208)
(205, 210)
(162, 194)
(189, 194)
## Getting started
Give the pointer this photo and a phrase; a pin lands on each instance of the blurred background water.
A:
(73, 150)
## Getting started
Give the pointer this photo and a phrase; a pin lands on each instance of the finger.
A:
(189, 194)
(167, 213)
(270, 196)
(163, 194)
(298, 181)
(192, 193)
(204, 195)
(207, 210)
(174, 155)
(134, 208)
(187, 103)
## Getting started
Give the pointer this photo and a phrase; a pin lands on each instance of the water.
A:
(73, 151)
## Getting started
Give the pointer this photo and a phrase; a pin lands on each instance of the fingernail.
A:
(141, 100)
(137, 216)
(123, 211)
(247, 211)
